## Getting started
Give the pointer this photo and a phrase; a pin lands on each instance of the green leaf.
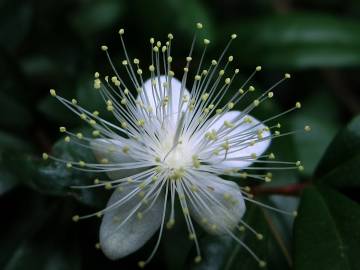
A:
(16, 115)
(339, 166)
(299, 40)
(11, 142)
(39, 237)
(181, 16)
(324, 124)
(54, 178)
(56, 111)
(10, 145)
(326, 231)
(225, 253)
(95, 16)
(15, 21)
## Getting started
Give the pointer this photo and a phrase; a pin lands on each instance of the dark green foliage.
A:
(55, 44)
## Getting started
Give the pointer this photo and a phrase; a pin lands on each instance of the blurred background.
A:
(56, 44)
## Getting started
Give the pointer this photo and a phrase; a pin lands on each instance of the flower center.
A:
(176, 155)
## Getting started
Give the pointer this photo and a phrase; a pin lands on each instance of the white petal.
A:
(117, 242)
(222, 204)
(241, 151)
(112, 150)
(154, 97)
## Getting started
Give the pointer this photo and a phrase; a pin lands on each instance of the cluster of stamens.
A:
(174, 138)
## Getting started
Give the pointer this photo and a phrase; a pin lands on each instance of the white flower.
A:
(170, 143)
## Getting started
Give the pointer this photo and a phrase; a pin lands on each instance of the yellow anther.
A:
(295, 213)
(96, 133)
(277, 132)
(243, 175)
(104, 48)
(199, 25)
(82, 163)
(287, 76)
(213, 227)
(258, 68)
(62, 129)
(171, 73)
(152, 40)
(108, 185)
(228, 124)
(121, 31)
(233, 36)
(256, 102)
(141, 264)
(298, 105)
(230, 105)
(270, 94)
(227, 80)
(68, 165)
(140, 122)
(236, 71)
(104, 161)
(139, 71)
(225, 145)
(262, 264)
(45, 156)
(204, 72)
(214, 62)
(271, 156)
(110, 108)
(177, 174)
(156, 49)
(170, 223)
(251, 88)
(301, 168)
(75, 218)
(206, 41)
(83, 116)
(67, 139)
(196, 161)
(221, 72)
(218, 111)
(197, 77)
(231, 58)
(170, 36)
(125, 149)
(186, 69)
(191, 236)
(99, 214)
(96, 181)
(123, 124)
(188, 59)
(53, 92)
(259, 236)
(151, 68)
(204, 96)
(241, 91)
(139, 215)
(307, 128)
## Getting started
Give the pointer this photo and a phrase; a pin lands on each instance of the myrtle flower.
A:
(171, 143)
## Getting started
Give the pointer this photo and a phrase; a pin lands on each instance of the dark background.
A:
(56, 44)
